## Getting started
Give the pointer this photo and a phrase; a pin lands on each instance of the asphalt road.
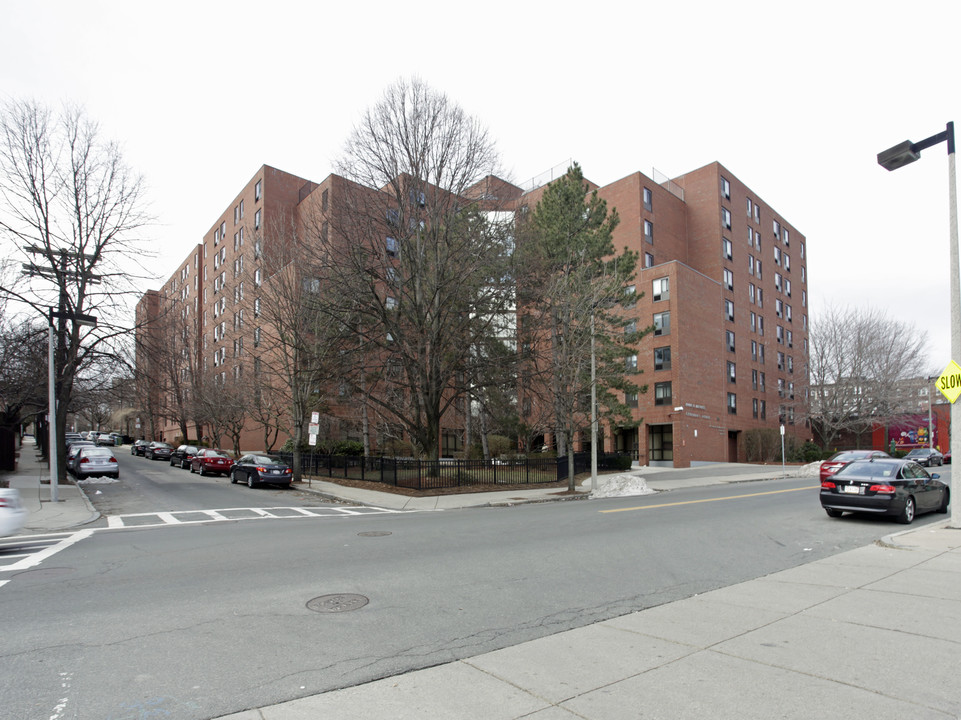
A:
(197, 621)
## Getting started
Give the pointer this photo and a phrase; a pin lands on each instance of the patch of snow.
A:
(621, 485)
(810, 470)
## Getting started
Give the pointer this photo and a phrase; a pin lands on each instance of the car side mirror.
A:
(935, 476)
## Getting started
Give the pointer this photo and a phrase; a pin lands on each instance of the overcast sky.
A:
(795, 99)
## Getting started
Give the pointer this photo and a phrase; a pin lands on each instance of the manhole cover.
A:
(374, 533)
(337, 603)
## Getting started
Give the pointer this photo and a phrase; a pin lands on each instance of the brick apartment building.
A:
(723, 279)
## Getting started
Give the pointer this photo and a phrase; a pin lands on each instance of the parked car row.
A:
(253, 469)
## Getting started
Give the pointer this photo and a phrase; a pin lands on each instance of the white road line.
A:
(171, 517)
(39, 557)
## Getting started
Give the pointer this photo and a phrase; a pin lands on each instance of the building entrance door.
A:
(732, 445)
(660, 445)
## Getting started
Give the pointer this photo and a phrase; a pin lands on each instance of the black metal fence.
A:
(448, 473)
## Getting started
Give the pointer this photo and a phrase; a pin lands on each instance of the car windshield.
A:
(216, 453)
(917, 452)
(265, 460)
(870, 469)
(849, 455)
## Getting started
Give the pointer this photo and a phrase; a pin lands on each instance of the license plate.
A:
(275, 472)
(852, 489)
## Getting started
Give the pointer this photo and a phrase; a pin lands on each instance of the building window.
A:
(729, 310)
(256, 337)
(662, 358)
(256, 307)
(630, 399)
(727, 249)
(649, 231)
(777, 256)
(630, 363)
(725, 188)
(257, 220)
(392, 248)
(729, 339)
(750, 293)
(726, 218)
(662, 393)
(763, 409)
(257, 277)
(258, 189)
(648, 199)
(731, 404)
(731, 372)
(662, 289)
(754, 406)
(728, 279)
(754, 350)
(648, 260)
(753, 322)
(323, 201)
(390, 303)
(750, 207)
(662, 324)
(754, 380)
(630, 299)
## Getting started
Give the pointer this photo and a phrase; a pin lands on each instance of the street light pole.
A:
(898, 156)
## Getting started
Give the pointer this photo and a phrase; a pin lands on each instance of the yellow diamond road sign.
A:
(949, 383)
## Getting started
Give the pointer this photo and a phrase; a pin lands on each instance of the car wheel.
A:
(833, 513)
(945, 500)
(233, 477)
(202, 471)
(907, 515)
(250, 481)
(171, 462)
(191, 468)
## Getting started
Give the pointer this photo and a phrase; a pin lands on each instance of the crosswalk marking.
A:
(188, 517)
(55, 544)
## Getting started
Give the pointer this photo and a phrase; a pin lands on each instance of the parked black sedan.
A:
(259, 468)
(158, 451)
(139, 447)
(182, 456)
(897, 488)
(925, 456)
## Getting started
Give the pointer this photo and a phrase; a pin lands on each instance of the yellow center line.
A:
(705, 500)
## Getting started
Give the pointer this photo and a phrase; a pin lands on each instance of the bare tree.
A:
(859, 364)
(73, 210)
(299, 353)
(417, 266)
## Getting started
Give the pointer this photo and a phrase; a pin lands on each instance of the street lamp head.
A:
(898, 156)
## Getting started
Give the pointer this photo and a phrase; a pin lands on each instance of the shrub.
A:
(347, 447)
(499, 445)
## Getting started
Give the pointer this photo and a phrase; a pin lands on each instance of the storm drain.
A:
(343, 602)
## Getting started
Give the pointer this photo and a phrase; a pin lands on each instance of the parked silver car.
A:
(96, 462)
